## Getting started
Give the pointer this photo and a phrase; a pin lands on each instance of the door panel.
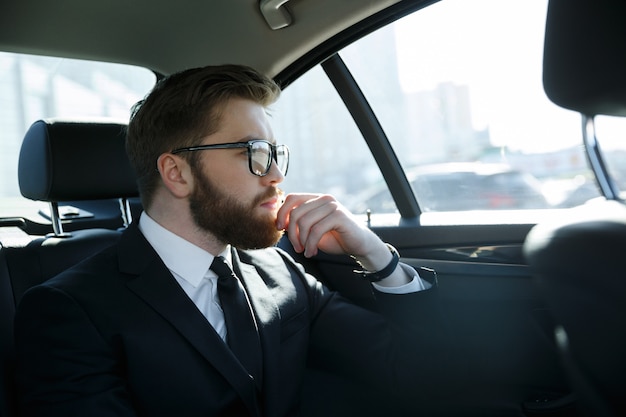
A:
(498, 324)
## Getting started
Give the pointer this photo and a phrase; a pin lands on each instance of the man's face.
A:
(231, 220)
(228, 201)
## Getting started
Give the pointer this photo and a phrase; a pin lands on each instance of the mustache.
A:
(270, 193)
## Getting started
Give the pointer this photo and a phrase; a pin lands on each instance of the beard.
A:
(231, 221)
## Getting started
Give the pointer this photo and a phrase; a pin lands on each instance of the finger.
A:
(305, 216)
(284, 219)
(322, 235)
(290, 202)
(315, 225)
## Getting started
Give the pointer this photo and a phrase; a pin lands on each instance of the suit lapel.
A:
(154, 284)
(264, 305)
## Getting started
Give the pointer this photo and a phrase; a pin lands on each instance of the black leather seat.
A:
(60, 161)
(580, 262)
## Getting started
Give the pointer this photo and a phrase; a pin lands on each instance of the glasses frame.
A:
(249, 144)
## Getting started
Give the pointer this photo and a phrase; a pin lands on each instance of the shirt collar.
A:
(182, 257)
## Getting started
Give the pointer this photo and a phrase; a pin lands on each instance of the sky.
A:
(495, 47)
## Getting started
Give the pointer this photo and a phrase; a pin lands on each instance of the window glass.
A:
(327, 151)
(459, 93)
(35, 87)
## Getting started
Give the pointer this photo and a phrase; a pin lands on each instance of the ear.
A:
(175, 174)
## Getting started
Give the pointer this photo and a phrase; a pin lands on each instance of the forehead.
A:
(242, 120)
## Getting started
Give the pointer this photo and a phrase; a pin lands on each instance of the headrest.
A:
(584, 62)
(64, 160)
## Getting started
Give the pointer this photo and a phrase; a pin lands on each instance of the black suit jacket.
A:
(117, 336)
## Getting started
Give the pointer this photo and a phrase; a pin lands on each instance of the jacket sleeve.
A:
(397, 348)
(64, 367)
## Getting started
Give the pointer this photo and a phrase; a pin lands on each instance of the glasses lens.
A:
(282, 158)
(260, 157)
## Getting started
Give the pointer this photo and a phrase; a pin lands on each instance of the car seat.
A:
(61, 161)
(580, 262)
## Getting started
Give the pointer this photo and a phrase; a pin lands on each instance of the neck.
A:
(184, 226)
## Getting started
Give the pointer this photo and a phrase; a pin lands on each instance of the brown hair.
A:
(182, 109)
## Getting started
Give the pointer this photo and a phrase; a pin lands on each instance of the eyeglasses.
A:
(260, 154)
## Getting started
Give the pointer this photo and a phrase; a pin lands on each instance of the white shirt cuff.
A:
(416, 284)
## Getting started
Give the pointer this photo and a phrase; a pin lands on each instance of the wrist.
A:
(371, 268)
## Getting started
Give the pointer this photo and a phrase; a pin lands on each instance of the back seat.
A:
(60, 161)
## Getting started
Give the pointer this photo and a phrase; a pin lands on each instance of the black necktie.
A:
(241, 331)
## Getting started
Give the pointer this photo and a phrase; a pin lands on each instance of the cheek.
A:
(231, 176)
(240, 188)
(228, 168)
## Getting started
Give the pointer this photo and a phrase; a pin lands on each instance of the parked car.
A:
(370, 90)
(460, 187)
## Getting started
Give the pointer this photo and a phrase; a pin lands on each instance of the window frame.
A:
(375, 137)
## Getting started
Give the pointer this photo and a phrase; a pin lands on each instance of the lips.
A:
(272, 200)
(271, 203)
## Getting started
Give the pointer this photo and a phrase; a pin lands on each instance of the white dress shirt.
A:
(189, 264)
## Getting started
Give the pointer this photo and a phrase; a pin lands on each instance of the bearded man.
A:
(195, 312)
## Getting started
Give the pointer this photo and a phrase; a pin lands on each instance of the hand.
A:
(319, 222)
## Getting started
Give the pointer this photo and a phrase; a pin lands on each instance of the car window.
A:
(36, 87)
(463, 108)
(327, 152)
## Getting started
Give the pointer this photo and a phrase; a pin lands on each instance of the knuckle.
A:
(327, 198)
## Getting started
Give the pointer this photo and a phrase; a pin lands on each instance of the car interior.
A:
(63, 161)
(535, 303)
(577, 261)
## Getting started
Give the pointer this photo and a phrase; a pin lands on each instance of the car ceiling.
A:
(168, 36)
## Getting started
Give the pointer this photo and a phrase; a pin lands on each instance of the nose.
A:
(274, 176)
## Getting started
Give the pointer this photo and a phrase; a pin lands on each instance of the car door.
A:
(455, 81)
